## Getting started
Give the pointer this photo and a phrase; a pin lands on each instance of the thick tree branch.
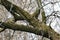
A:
(32, 20)
(8, 7)
(13, 26)
(27, 16)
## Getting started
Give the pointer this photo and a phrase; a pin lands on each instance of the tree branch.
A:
(32, 20)
(12, 11)
(37, 12)
(13, 26)
(43, 16)
(41, 11)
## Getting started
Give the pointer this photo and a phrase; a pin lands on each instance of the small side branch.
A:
(36, 13)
